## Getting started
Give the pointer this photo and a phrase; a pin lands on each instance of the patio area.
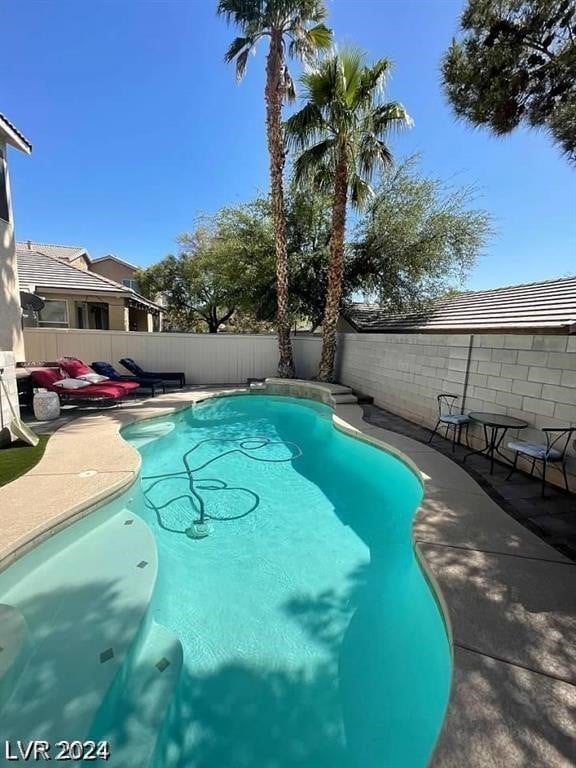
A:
(552, 518)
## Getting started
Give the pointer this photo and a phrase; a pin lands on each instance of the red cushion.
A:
(127, 386)
(74, 367)
(46, 377)
(100, 390)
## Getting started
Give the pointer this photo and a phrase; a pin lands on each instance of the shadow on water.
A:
(61, 675)
(241, 717)
(393, 658)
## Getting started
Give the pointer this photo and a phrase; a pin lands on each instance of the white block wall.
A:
(530, 377)
(9, 377)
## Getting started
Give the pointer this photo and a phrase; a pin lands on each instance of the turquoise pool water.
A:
(310, 636)
(300, 633)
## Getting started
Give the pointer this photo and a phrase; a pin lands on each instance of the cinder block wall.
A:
(530, 377)
(9, 377)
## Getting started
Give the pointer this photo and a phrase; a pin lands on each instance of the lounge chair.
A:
(134, 368)
(106, 369)
(106, 390)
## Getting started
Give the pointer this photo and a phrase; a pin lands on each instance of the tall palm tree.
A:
(340, 133)
(287, 25)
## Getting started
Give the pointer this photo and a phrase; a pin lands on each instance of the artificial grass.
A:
(17, 458)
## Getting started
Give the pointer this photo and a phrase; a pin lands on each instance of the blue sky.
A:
(138, 125)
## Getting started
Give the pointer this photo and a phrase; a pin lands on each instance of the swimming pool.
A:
(300, 631)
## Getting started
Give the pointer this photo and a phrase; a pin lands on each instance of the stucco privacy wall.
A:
(10, 312)
(532, 377)
(205, 358)
(8, 365)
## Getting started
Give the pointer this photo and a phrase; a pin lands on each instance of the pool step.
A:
(140, 434)
(133, 711)
(362, 398)
(344, 398)
(15, 648)
(83, 606)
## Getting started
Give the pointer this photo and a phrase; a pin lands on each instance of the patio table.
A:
(495, 426)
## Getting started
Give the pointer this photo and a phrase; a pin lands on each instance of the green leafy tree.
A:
(308, 228)
(516, 63)
(292, 27)
(224, 267)
(340, 134)
(417, 240)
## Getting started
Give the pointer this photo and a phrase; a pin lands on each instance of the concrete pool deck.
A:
(511, 598)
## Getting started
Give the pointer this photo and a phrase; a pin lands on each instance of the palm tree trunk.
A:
(275, 135)
(335, 269)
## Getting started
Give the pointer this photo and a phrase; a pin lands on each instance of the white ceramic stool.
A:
(46, 406)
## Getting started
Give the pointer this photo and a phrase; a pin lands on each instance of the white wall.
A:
(205, 358)
(532, 377)
(9, 378)
(10, 312)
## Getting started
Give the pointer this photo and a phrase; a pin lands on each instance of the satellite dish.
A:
(31, 301)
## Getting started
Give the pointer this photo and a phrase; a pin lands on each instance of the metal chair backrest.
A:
(561, 441)
(446, 404)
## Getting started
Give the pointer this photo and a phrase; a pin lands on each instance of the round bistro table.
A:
(495, 426)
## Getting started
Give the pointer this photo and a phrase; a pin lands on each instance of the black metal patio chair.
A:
(553, 451)
(450, 419)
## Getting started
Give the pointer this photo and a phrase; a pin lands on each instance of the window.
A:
(4, 205)
(99, 315)
(54, 314)
(128, 282)
(81, 310)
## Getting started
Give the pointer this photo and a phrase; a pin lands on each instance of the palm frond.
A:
(323, 81)
(320, 37)
(308, 162)
(360, 191)
(323, 178)
(241, 62)
(236, 46)
(350, 62)
(388, 117)
(241, 12)
(303, 126)
(306, 44)
(372, 153)
(373, 80)
(287, 11)
(289, 87)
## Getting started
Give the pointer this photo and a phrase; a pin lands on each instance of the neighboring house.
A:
(115, 269)
(544, 307)
(76, 297)
(74, 255)
(10, 313)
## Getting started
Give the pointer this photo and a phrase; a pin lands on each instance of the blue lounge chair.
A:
(105, 369)
(131, 365)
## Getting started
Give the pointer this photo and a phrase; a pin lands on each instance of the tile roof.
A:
(64, 252)
(46, 272)
(14, 137)
(111, 257)
(548, 306)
